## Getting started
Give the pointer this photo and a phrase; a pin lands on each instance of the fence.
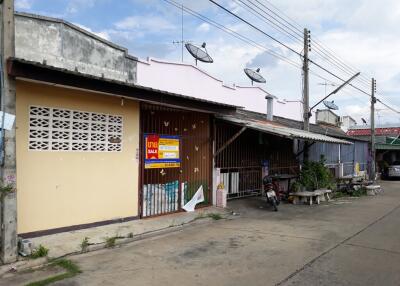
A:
(242, 161)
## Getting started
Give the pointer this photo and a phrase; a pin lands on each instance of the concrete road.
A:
(346, 242)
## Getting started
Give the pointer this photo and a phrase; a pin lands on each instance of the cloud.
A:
(263, 59)
(75, 6)
(203, 27)
(23, 4)
(102, 34)
(148, 23)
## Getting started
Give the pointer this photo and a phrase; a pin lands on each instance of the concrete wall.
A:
(347, 123)
(190, 80)
(64, 188)
(327, 116)
(62, 44)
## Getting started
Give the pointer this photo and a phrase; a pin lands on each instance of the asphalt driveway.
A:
(345, 242)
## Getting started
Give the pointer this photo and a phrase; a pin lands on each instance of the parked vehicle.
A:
(270, 192)
(393, 170)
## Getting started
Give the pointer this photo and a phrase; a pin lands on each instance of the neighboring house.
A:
(343, 159)
(347, 122)
(327, 116)
(249, 146)
(387, 141)
(187, 79)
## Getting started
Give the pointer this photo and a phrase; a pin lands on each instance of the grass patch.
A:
(71, 268)
(41, 251)
(215, 216)
(110, 241)
(346, 194)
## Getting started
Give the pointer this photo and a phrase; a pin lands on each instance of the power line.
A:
(318, 50)
(279, 42)
(389, 107)
(254, 27)
(288, 28)
(232, 33)
(259, 46)
(263, 18)
(329, 53)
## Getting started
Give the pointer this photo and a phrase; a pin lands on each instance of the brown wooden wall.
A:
(194, 130)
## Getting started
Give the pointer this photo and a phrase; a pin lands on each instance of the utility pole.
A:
(8, 214)
(306, 100)
(373, 101)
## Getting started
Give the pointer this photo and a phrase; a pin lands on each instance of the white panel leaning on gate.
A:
(197, 198)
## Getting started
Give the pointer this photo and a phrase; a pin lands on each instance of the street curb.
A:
(23, 265)
(27, 264)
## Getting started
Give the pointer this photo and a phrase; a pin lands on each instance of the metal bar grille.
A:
(167, 190)
(241, 162)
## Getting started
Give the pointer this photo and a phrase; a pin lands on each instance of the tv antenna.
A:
(254, 75)
(326, 84)
(199, 53)
(182, 42)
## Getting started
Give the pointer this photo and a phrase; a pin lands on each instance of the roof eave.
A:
(39, 72)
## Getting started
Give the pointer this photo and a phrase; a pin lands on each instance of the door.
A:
(166, 185)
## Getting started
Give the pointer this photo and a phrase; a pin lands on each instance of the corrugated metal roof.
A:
(328, 130)
(280, 130)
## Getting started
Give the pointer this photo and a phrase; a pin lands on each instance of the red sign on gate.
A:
(152, 147)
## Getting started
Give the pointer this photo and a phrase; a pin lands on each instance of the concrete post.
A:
(8, 251)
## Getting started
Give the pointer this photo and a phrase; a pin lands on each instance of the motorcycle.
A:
(269, 191)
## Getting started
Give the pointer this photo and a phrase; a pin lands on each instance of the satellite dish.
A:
(254, 75)
(364, 121)
(199, 53)
(331, 105)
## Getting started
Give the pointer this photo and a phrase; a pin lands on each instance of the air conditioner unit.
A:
(25, 247)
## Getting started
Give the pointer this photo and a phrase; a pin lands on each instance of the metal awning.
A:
(280, 130)
(379, 146)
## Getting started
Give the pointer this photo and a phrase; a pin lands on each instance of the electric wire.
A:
(323, 49)
(267, 20)
(259, 46)
(281, 43)
(233, 33)
(254, 27)
(335, 62)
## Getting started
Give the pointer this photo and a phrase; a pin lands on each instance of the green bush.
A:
(314, 175)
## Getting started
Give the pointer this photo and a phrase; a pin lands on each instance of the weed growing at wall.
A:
(85, 244)
(41, 251)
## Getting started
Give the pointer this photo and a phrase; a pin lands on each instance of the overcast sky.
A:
(365, 34)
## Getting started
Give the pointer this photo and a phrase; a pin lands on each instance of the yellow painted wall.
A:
(60, 188)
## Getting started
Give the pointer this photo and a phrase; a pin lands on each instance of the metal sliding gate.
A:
(241, 163)
(166, 189)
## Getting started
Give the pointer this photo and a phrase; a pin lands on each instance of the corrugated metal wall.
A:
(166, 190)
(349, 155)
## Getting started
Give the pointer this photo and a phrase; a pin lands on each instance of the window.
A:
(56, 129)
